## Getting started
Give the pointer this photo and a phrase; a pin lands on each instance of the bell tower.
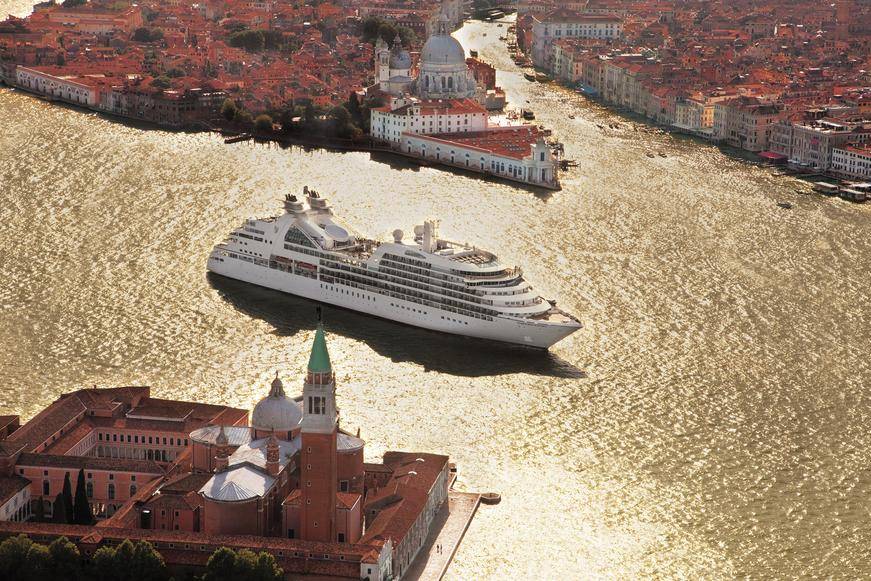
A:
(382, 61)
(318, 463)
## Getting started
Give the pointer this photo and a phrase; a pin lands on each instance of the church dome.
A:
(400, 60)
(276, 411)
(443, 49)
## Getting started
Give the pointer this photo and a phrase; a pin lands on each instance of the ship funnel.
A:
(315, 201)
(292, 205)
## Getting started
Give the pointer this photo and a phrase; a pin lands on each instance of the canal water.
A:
(711, 420)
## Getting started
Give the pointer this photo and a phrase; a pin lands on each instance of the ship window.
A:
(295, 236)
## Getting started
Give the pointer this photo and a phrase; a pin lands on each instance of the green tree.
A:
(340, 115)
(103, 565)
(175, 72)
(221, 566)
(37, 566)
(263, 123)
(13, 557)
(228, 109)
(373, 28)
(309, 112)
(144, 34)
(161, 82)
(266, 568)
(354, 109)
(246, 561)
(340, 120)
(243, 117)
(65, 560)
(147, 563)
(81, 506)
(124, 559)
(250, 40)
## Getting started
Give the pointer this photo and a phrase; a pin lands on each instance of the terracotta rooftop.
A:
(514, 142)
(48, 422)
(7, 420)
(10, 486)
(90, 463)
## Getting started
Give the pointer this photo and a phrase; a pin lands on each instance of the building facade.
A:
(564, 23)
(852, 161)
(192, 477)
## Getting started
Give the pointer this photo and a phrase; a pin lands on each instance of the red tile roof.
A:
(48, 422)
(513, 142)
(10, 486)
(90, 463)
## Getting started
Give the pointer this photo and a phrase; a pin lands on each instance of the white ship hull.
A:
(532, 333)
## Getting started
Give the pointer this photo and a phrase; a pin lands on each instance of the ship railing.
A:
(429, 288)
(411, 296)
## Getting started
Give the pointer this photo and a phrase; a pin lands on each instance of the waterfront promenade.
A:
(449, 528)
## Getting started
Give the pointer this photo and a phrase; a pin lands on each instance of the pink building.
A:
(191, 477)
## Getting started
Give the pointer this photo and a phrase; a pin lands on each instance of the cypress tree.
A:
(59, 510)
(68, 499)
(82, 508)
(39, 511)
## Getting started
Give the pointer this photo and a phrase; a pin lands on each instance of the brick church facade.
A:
(191, 477)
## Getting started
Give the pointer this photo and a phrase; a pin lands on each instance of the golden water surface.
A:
(711, 420)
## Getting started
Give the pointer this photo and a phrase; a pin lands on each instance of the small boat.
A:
(499, 25)
(529, 77)
(485, 34)
(571, 116)
(528, 114)
(542, 78)
(649, 154)
(784, 205)
(661, 154)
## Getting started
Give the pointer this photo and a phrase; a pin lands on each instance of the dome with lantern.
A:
(276, 411)
(443, 70)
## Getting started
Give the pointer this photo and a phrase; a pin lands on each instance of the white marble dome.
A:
(276, 411)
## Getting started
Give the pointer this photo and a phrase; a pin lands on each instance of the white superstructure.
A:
(424, 281)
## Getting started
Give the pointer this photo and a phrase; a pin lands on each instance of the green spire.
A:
(319, 362)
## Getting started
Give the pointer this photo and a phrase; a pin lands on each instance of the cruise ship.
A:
(421, 280)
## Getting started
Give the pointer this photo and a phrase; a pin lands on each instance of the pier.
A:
(448, 529)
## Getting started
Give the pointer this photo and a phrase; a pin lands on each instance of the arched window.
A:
(46, 488)
(132, 489)
(443, 82)
(111, 491)
(426, 82)
(89, 489)
(450, 82)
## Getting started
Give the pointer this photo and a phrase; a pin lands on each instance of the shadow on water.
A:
(440, 352)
